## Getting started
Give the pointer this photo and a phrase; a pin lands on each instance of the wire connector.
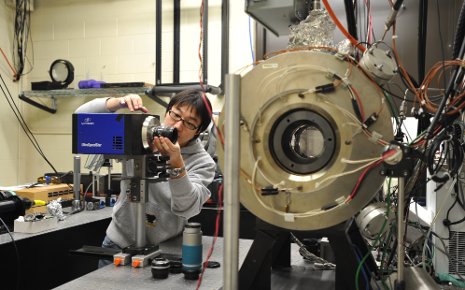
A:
(327, 88)
(370, 120)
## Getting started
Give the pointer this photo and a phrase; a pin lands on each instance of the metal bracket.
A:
(52, 109)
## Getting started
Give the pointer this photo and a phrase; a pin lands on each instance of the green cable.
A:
(392, 107)
(378, 238)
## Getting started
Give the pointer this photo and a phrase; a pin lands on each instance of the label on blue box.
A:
(100, 134)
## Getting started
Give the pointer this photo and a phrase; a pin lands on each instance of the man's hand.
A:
(165, 147)
(132, 102)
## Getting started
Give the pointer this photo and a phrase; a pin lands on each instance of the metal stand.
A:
(401, 168)
(400, 282)
(271, 249)
(147, 168)
(76, 204)
(231, 182)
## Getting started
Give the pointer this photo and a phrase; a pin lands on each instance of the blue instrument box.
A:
(109, 133)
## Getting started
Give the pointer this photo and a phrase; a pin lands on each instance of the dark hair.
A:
(194, 98)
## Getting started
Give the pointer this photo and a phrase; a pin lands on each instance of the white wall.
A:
(9, 127)
(114, 41)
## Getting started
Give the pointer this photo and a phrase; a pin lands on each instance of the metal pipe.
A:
(158, 41)
(205, 42)
(224, 41)
(110, 163)
(140, 224)
(400, 233)
(176, 39)
(139, 176)
(231, 182)
(77, 177)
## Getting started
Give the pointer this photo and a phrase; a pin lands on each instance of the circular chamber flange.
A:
(309, 145)
(302, 141)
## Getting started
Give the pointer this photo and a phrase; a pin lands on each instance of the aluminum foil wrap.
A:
(55, 209)
(345, 47)
(315, 30)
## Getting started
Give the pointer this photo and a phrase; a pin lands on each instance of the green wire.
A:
(378, 238)
(392, 107)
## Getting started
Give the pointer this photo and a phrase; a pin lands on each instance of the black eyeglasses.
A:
(177, 118)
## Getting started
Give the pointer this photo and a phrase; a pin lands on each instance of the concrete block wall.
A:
(114, 41)
(9, 127)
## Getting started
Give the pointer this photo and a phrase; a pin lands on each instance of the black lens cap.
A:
(175, 267)
(213, 264)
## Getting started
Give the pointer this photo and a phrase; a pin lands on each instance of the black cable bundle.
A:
(449, 144)
(21, 35)
(14, 108)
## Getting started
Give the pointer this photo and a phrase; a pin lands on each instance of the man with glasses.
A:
(169, 203)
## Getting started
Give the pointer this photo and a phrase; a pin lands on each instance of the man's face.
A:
(186, 120)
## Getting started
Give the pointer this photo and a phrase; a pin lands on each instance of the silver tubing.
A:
(140, 224)
(77, 177)
(110, 163)
(316, 4)
(139, 174)
(231, 181)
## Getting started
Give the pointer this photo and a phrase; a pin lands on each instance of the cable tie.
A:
(375, 136)
(394, 36)
(346, 81)
(309, 91)
(289, 217)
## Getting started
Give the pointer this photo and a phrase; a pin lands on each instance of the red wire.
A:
(199, 52)
(361, 177)
(342, 28)
(200, 46)
(9, 64)
(364, 173)
(220, 189)
(215, 235)
(370, 23)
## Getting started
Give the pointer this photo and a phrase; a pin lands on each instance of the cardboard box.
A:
(48, 192)
(35, 226)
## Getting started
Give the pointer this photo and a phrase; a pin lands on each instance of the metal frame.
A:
(271, 249)
(177, 41)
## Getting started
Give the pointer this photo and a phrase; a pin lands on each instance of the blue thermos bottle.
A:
(192, 251)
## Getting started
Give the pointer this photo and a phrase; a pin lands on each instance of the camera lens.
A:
(168, 132)
(152, 128)
(160, 268)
